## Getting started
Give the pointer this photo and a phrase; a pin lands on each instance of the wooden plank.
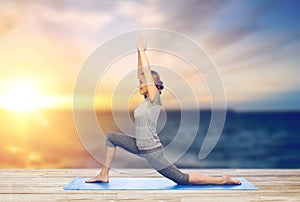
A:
(47, 185)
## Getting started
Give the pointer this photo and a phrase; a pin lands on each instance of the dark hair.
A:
(158, 83)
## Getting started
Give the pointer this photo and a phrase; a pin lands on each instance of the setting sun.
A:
(22, 95)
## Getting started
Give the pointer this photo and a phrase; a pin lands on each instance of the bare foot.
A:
(98, 178)
(228, 180)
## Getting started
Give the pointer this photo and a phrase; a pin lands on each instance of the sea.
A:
(248, 139)
(255, 139)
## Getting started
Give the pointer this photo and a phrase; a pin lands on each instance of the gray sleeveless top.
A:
(146, 116)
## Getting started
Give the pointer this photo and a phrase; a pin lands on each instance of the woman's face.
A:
(143, 87)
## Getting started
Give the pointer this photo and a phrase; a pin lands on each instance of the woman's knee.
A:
(110, 139)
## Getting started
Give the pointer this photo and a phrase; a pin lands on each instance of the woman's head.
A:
(156, 78)
(158, 83)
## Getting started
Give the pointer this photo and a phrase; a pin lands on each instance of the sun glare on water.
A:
(22, 95)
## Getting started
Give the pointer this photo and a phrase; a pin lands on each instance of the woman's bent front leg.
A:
(112, 141)
(103, 175)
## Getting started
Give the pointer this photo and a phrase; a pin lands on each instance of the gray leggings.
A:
(155, 157)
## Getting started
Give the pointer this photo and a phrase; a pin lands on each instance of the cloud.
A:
(254, 35)
(262, 50)
(190, 16)
(218, 41)
(145, 13)
(238, 21)
(84, 5)
(53, 38)
(69, 21)
(11, 13)
(48, 43)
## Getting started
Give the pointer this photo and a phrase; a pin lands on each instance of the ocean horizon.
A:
(249, 139)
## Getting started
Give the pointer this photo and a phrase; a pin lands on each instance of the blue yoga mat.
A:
(149, 184)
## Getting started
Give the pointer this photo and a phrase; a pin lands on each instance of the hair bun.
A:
(159, 84)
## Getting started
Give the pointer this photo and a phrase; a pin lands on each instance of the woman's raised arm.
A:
(144, 70)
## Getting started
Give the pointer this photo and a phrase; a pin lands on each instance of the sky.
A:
(254, 44)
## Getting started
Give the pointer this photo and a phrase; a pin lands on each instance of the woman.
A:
(146, 143)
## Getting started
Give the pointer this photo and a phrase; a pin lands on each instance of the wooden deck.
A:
(47, 185)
